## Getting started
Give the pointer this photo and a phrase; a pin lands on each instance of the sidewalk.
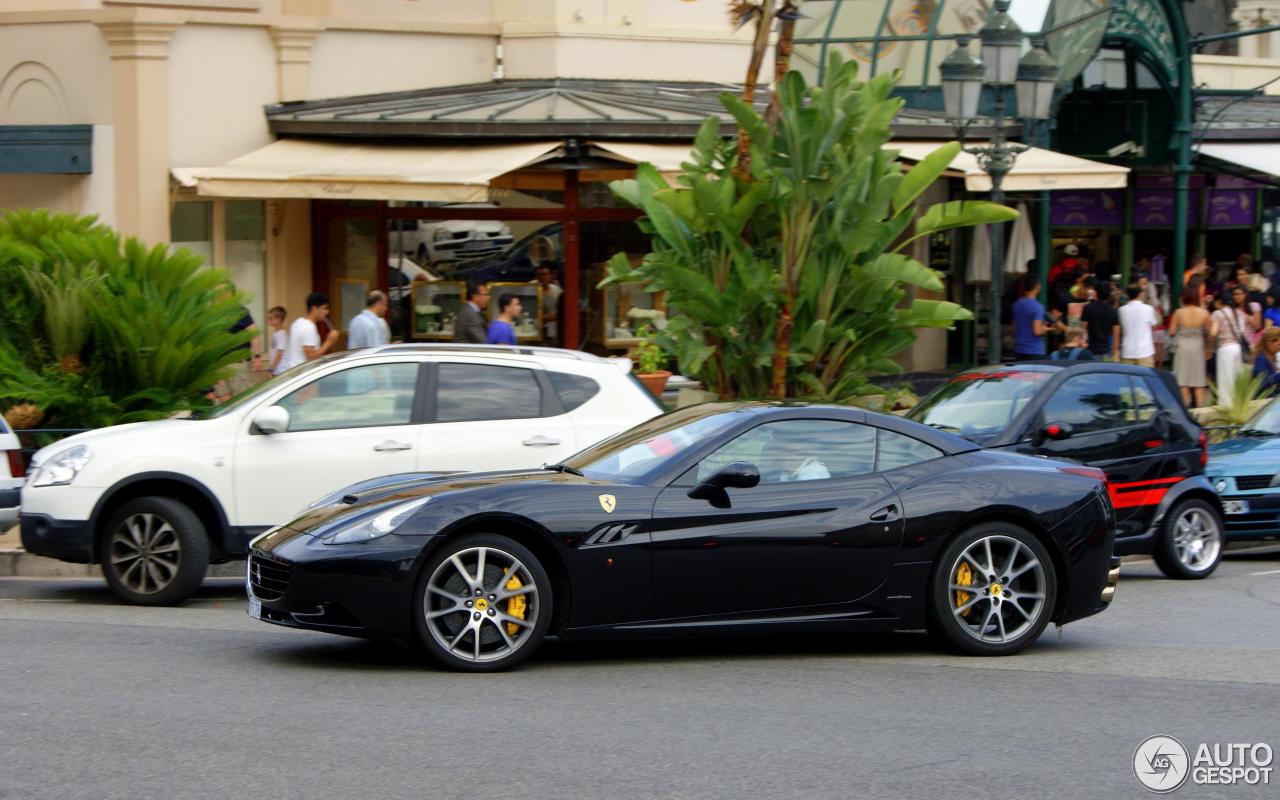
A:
(18, 563)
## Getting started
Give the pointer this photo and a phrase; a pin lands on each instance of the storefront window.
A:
(191, 226)
(246, 253)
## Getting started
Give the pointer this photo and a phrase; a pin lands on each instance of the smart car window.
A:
(469, 392)
(361, 397)
(895, 450)
(574, 390)
(1144, 402)
(799, 450)
(1091, 403)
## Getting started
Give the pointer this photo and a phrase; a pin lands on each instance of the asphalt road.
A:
(103, 701)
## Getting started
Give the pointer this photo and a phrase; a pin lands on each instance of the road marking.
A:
(1268, 572)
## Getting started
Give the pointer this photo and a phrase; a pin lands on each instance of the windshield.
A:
(980, 403)
(635, 456)
(248, 396)
(1265, 423)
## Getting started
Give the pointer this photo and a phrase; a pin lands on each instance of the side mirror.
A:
(272, 419)
(1056, 431)
(735, 475)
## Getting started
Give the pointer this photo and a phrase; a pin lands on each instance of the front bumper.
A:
(364, 589)
(66, 540)
(1261, 521)
(10, 499)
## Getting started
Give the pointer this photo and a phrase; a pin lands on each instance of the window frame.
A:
(1054, 391)
(549, 405)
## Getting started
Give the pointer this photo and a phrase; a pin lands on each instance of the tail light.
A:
(1204, 449)
(16, 466)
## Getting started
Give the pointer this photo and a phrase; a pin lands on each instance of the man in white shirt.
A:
(1137, 320)
(304, 337)
(368, 328)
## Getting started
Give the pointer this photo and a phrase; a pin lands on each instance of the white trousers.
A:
(1229, 365)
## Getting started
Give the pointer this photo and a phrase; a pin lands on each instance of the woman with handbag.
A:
(1233, 345)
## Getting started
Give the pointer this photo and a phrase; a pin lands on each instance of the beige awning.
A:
(294, 168)
(1256, 156)
(1035, 170)
(666, 157)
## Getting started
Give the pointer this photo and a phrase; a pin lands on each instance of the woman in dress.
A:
(1191, 327)
(1232, 338)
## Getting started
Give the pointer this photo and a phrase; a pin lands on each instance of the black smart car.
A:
(1125, 420)
(719, 518)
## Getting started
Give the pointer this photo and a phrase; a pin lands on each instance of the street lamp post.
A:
(963, 79)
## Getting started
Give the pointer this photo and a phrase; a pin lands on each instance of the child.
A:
(279, 337)
(1073, 348)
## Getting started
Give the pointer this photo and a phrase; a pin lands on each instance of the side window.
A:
(361, 397)
(1144, 402)
(896, 450)
(574, 390)
(468, 392)
(1091, 403)
(799, 450)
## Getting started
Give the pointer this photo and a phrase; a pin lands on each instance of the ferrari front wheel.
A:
(483, 604)
(993, 592)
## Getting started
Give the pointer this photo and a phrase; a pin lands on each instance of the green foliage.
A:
(1247, 395)
(648, 354)
(97, 331)
(792, 282)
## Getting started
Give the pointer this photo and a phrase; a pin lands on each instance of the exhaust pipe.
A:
(1113, 579)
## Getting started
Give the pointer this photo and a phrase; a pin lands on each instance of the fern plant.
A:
(1246, 395)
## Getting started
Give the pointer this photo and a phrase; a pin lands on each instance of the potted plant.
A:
(649, 360)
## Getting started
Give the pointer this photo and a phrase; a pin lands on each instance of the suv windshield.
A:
(980, 403)
(635, 456)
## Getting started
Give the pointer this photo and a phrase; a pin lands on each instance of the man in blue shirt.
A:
(368, 328)
(502, 330)
(1029, 327)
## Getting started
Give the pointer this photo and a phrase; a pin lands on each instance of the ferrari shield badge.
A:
(608, 502)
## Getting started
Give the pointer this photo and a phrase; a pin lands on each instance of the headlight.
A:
(62, 468)
(442, 235)
(1220, 486)
(379, 524)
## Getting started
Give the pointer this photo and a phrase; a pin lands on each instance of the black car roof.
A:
(795, 409)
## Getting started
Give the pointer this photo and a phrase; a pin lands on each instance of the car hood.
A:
(164, 428)
(1244, 456)
(322, 518)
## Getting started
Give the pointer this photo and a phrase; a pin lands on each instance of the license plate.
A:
(1235, 506)
(255, 608)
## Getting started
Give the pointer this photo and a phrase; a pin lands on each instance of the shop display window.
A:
(435, 308)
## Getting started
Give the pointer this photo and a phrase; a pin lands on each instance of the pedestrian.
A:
(1232, 346)
(1199, 267)
(545, 276)
(241, 377)
(1264, 365)
(1137, 322)
(469, 324)
(1271, 313)
(1251, 309)
(1190, 329)
(279, 338)
(1029, 325)
(304, 334)
(502, 330)
(1073, 348)
(1102, 324)
(369, 327)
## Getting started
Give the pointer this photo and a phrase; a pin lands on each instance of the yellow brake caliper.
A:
(964, 577)
(516, 605)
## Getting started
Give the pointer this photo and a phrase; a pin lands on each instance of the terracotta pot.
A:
(655, 382)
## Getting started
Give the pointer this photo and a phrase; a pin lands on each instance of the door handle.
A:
(389, 446)
(540, 441)
(885, 514)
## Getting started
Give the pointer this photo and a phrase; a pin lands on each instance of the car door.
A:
(345, 426)
(822, 527)
(1113, 426)
(491, 415)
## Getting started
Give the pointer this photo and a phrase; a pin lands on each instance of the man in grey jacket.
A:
(469, 325)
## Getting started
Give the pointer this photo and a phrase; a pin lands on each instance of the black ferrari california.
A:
(743, 518)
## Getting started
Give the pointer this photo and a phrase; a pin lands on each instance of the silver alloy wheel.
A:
(145, 553)
(473, 610)
(1197, 539)
(1003, 597)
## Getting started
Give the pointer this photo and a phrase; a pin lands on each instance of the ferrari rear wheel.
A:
(483, 605)
(994, 590)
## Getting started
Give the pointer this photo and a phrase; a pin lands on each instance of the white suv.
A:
(10, 475)
(155, 502)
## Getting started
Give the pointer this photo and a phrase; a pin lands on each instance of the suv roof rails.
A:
(460, 347)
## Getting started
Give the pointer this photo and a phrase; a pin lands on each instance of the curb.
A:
(18, 563)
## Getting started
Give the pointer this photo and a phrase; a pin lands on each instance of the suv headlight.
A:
(377, 525)
(63, 468)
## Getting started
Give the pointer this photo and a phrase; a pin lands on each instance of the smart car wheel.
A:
(483, 605)
(1190, 546)
(993, 590)
(154, 552)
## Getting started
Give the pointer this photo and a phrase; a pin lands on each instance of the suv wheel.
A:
(1190, 546)
(154, 552)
